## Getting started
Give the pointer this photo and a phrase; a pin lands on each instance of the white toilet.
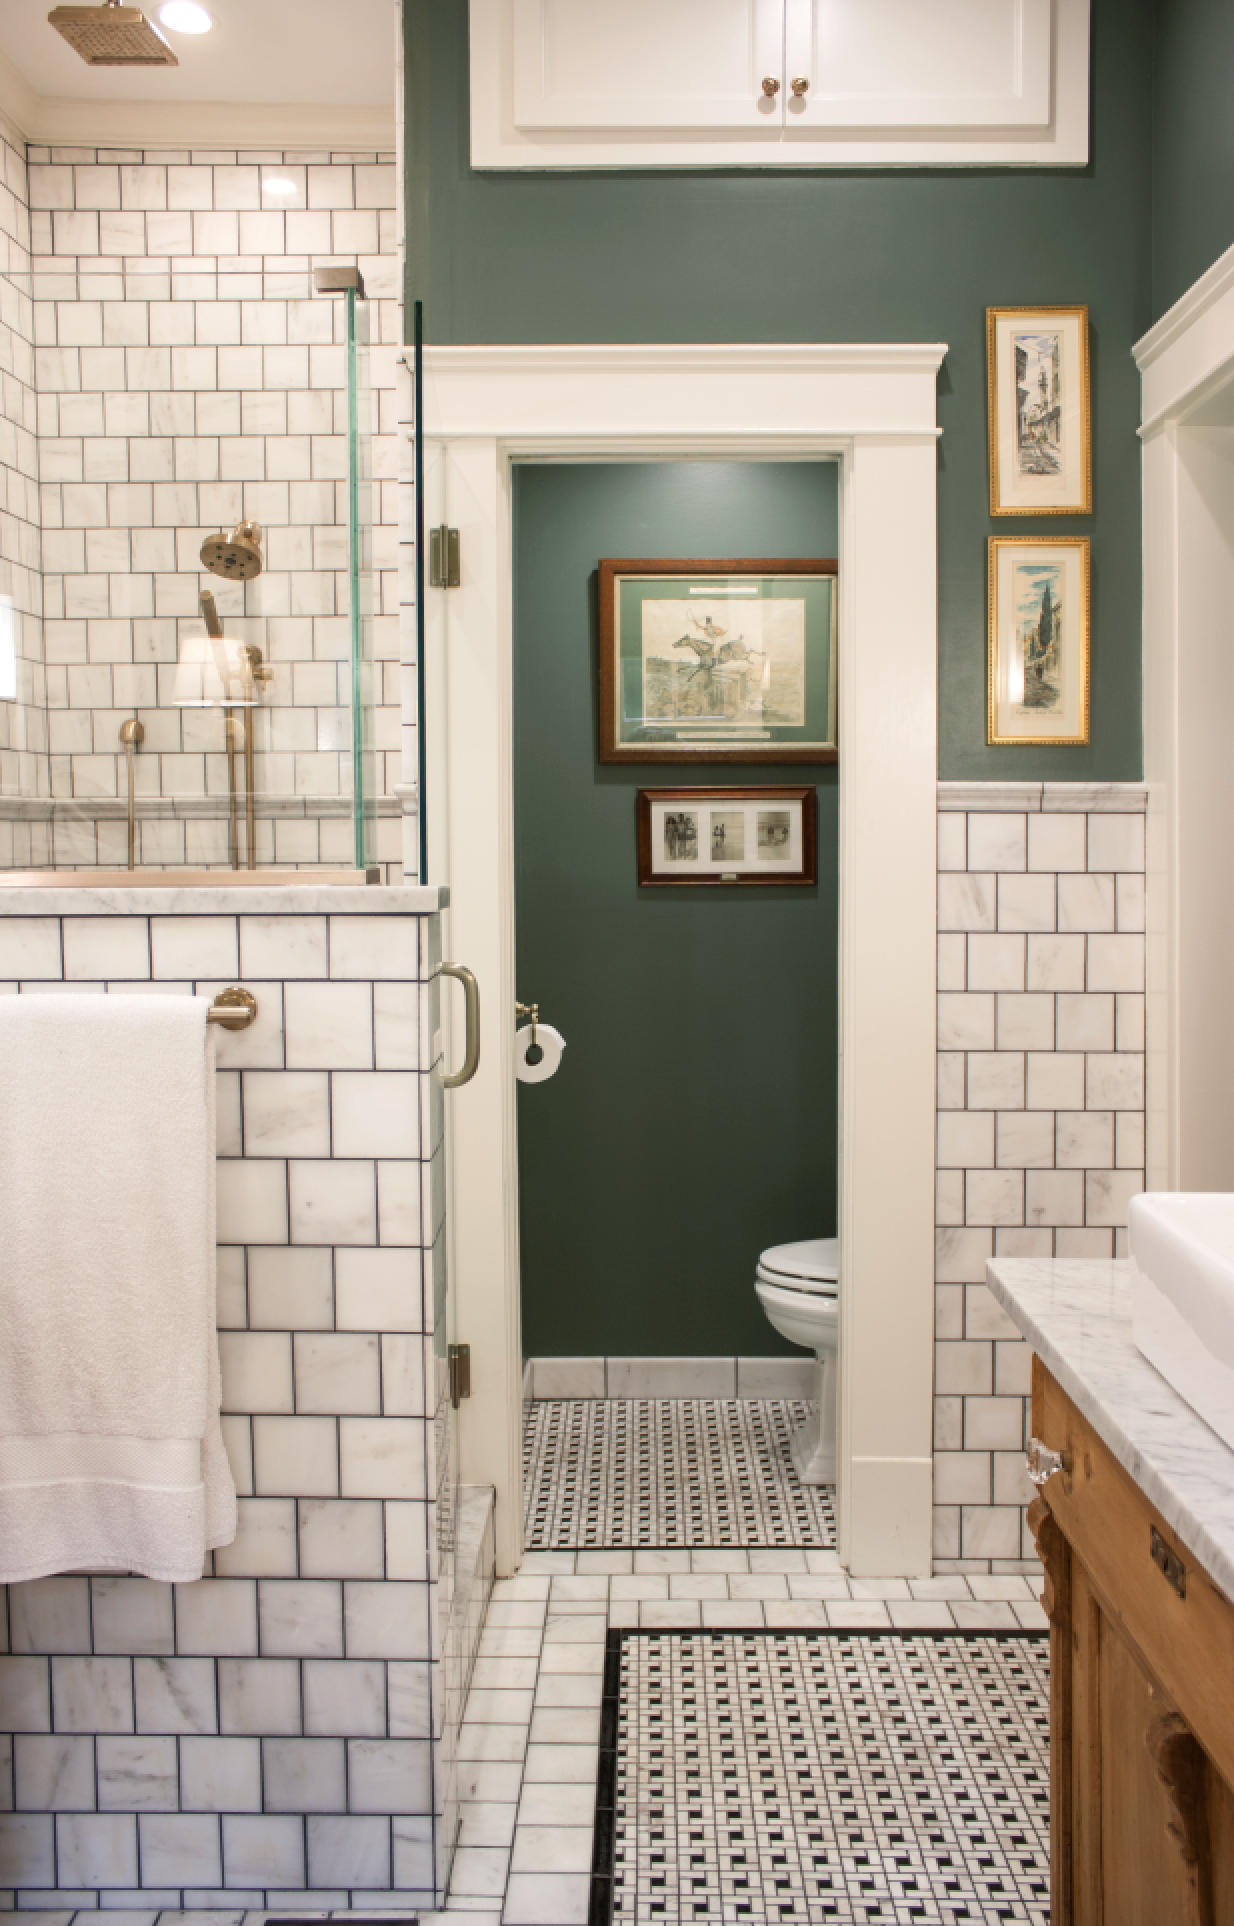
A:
(798, 1286)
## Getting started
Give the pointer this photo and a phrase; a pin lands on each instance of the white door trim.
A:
(872, 409)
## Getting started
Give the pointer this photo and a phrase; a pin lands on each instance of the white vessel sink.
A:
(1182, 1249)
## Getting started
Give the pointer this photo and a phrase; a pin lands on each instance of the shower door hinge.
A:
(460, 1373)
(443, 563)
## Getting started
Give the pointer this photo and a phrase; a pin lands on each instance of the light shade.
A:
(184, 16)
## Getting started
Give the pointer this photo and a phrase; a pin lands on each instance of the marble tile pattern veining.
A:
(1040, 1129)
(1077, 1317)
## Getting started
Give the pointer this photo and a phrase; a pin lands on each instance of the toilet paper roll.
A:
(550, 1041)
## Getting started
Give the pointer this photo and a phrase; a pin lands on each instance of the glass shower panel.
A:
(360, 577)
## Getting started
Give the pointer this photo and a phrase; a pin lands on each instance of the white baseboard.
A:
(670, 1378)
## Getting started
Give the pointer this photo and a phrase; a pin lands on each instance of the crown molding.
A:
(48, 120)
(1189, 352)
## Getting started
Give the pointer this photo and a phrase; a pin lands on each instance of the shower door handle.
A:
(471, 1055)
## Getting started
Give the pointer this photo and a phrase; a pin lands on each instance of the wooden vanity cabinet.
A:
(1142, 1696)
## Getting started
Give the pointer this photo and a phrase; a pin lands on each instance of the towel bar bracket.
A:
(234, 1009)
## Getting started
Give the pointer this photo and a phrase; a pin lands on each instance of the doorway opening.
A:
(693, 1123)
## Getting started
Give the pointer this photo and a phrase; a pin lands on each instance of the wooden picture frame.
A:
(1040, 426)
(1039, 642)
(728, 837)
(678, 685)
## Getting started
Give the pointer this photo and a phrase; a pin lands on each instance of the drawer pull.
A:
(1169, 1563)
(1043, 1463)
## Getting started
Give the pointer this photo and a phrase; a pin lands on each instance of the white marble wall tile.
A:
(387, 1620)
(96, 1849)
(290, 1289)
(283, 946)
(257, 1371)
(407, 1556)
(53, 1772)
(105, 947)
(349, 1853)
(381, 1458)
(191, 946)
(183, 1847)
(398, 1202)
(375, 1113)
(265, 1852)
(375, 946)
(220, 1775)
(332, 1203)
(252, 1201)
(131, 1615)
(30, 948)
(295, 1457)
(286, 1113)
(396, 1026)
(217, 1616)
(996, 841)
(138, 1775)
(92, 1694)
(1026, 902)
(1116, 842)
(301, 1618)
(341, 1539)
(175, 1695)
(1057, 843)
(402, 1375)
(25, 1694)
(337, 1373)
(50, 1615)
(27, 1852)
(329, 1026)
(346, 1698)
(265, 1542)
(304, 1775)
(388, 1775)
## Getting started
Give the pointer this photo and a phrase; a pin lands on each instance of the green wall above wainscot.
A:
(861, 255)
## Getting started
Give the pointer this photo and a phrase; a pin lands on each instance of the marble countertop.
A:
(1077, 1317)
(274, 894)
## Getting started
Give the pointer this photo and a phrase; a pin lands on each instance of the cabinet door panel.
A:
(648, 63)
(902, 63)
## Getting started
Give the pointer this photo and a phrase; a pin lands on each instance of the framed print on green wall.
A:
(717, 661)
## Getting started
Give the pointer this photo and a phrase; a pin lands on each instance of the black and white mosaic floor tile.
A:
(815, 1776)
(615, 1472)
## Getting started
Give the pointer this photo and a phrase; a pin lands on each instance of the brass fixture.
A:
(771, 87)
(236, 557)
(533, 1053)
(443, 558)
(132, 735)
(112, 36)
(338, 280)
(233, 1009)
(800, 86)
(458, 1358)
(471, 1052)
(253, 673)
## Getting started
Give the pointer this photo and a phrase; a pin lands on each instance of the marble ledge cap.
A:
(181, 895)
(1067, 798)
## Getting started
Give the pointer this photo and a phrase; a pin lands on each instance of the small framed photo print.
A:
(1040, 430)
(1039, 639)
(717, 661)
(727, 836)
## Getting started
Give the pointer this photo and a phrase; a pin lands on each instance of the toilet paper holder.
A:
(533, 1053)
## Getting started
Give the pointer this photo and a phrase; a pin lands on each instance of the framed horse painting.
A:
(717, 661)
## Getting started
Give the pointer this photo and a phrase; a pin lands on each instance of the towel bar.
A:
(235, 1009)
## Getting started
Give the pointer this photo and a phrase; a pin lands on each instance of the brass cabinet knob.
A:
(800, 86)
(771, 86)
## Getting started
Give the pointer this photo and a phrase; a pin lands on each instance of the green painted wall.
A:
(843, 256)
(1193, 143)
(693, 1120)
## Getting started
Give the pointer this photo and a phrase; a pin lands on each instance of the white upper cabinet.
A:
(648, 63)
(916, 63)
(785, 83)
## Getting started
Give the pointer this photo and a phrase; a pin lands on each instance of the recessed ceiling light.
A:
(184, 16)
(278, 188)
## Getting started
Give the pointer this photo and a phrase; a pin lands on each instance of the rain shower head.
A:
(236, 557)
(112, 36)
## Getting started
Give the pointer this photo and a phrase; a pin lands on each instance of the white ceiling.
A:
(337, 53)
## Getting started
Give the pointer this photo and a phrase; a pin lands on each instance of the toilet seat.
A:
(809, 1266)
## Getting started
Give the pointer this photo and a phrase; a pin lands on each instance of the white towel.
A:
(111, 1448)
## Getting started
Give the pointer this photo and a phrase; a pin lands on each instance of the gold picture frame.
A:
(1039, 639)
(1039, 411)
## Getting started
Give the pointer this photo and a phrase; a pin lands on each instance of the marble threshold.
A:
(1076, 1314)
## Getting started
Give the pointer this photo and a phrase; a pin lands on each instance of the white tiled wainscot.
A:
(270, 1737)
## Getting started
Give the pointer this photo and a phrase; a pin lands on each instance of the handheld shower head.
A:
(236, 557)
